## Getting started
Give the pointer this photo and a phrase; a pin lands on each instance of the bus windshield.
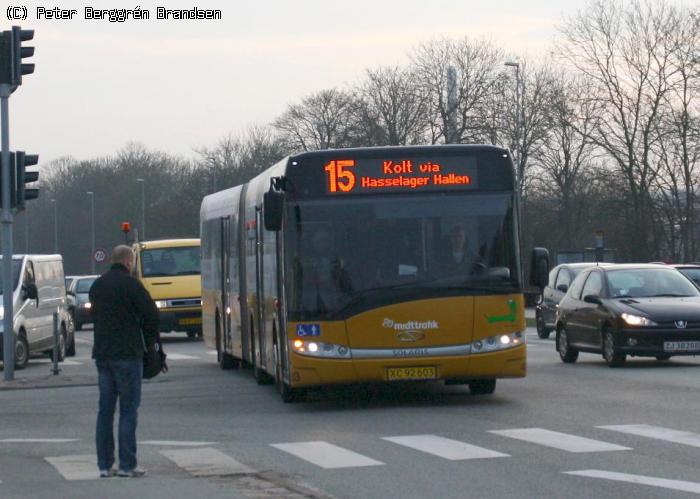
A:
(380, 250)
(170, 261)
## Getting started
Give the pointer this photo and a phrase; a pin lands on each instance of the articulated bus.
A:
(384, 264)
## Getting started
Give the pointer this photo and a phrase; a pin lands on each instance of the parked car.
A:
(69, 279)
(690, 270)
(39, 291)
(79, 300)
(560, 278)
(629, 309)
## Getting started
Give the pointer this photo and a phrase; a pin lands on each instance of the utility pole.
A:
(92, 230)
(55, 227)
(518, 122)
(142, 231)
(11, 71)
(451, 128)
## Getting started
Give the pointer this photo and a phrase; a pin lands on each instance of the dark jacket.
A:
(121, 309)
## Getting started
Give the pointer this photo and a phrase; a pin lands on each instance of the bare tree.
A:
(477, 65)
(393, 109)
(626, 50)
(322, 120)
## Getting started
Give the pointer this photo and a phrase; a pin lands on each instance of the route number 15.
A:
(339, 176)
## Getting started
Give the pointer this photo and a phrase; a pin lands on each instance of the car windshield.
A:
(384, 248)
(645, 283)
(83, 285)
(170, 261)
(691, 273)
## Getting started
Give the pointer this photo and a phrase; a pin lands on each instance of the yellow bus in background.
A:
(385, 264)
(170, 270)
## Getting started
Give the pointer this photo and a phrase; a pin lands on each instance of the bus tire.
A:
(482, 386)
(287, 393)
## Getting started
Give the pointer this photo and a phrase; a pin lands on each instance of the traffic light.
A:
(6, 58)
(20, 35)
(20, 177)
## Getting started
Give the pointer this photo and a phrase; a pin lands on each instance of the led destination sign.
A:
(401, 174)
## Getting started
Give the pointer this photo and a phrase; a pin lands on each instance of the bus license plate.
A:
(411, 373)
(681, 346)
(190, 321)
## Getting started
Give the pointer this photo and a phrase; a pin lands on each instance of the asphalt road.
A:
(574, 431)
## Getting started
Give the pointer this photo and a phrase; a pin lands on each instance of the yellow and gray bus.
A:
(380, 264)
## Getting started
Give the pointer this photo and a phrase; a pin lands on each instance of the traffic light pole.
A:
(6, 240)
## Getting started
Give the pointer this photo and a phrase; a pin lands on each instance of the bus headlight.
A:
(320, 349)
(161, 303)
(499, 342)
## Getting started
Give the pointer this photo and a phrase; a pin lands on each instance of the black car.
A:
(632, 309)
(560, 278)
(79, 301)
(690, 270)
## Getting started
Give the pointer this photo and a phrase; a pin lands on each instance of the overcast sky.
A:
(178, 85)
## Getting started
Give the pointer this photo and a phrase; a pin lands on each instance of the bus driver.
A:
(324, 279)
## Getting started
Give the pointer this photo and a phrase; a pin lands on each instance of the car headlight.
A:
(498, 342)
(637, 320)
(87, 305)
(319, 349)
(161, 303)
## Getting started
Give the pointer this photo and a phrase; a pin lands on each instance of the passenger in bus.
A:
(325, 281)
(458, 258)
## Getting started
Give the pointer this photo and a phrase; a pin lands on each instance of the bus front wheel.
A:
(287, 393)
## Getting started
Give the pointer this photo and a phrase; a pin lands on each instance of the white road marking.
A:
(79, 467)
(453, 450)
(561, 441)
(38, 440)
(326, 455)
(83, 341)
(175, 443)
(212, 352)
(657, 433)
(692, 487)
(181, 356)
(206, 462)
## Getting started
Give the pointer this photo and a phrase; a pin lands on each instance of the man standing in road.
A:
(122, 311)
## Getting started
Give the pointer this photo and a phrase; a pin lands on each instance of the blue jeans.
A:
(118, 379)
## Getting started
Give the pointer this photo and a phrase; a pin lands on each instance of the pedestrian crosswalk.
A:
(207, 459)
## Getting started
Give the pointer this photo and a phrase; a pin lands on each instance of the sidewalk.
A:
(39, 374)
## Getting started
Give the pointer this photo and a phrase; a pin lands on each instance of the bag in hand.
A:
(154, 361)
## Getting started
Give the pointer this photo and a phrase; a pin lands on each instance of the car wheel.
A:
(61, 345)
(612, 357)
(78, 326)
(21, 351)
(191, 334)
(567, 354)
(287, 393)
(482, 386)
(542, 331)
(663, 357)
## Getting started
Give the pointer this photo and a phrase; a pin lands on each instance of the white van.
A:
(39, 291)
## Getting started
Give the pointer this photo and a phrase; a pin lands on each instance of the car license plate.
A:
(411, 373)
(189, 321)
(681, 346)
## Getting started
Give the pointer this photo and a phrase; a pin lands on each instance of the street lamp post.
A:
(142, 231)
(518, 111)
(92, 218)
(55, 227)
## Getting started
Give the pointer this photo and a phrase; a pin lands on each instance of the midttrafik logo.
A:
(410, 325)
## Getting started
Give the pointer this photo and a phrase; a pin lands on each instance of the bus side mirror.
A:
(539, 271)
(273, 203)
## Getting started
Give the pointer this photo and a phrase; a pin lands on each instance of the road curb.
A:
(49, 381)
